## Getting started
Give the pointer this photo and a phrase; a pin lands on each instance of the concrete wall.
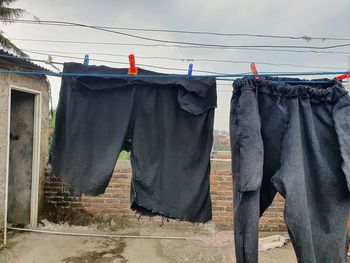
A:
(31, 82)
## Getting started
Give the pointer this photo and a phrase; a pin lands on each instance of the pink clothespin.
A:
(133, 70)
(254, 70)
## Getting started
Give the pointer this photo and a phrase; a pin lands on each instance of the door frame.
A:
(34, 201)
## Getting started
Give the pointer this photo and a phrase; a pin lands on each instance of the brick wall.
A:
(115, 202)
(273, 218)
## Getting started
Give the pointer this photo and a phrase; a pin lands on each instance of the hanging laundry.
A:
(293, 139)
(166, 123)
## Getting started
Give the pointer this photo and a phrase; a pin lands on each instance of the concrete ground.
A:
(200, 248)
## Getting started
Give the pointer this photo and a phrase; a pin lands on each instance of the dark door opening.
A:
(21, 158)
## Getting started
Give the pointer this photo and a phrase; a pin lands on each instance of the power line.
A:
(298, 51)
(194, 43)
(175, 46)
(109, 61)
(26, 59)
(53, 53)
(65, 23)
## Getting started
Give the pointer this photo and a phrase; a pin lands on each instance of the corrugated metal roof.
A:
(10, 61)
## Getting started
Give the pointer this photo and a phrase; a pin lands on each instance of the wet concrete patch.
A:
(109, 253)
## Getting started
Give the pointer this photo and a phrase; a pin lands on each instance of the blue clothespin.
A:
(86, 59)
(190, 68)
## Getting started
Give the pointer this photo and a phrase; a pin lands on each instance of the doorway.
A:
(23, 158)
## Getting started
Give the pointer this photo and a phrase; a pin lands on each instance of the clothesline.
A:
(217, 76)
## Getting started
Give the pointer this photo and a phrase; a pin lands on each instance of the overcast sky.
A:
(273, 17)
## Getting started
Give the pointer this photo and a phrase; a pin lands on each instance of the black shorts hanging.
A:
(166, 123)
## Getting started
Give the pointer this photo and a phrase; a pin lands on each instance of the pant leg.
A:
(341, 117)
(274, 120)
(171, 155)
(258, 124)
(313, 184)
(247, 169)
(92, 121)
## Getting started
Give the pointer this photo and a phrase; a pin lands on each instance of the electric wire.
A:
(107, 61)
(28, 59)
(166, 41)
(192, 32)
(175, 46)
(54, 53)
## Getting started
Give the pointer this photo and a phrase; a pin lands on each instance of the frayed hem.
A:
(141, 211)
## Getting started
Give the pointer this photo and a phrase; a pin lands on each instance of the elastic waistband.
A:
(325, 90)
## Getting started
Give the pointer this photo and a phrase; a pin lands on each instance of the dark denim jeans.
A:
(293, 139)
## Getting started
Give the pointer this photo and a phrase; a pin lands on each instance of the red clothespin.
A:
(342, 77)
(254, 70)
(133, 70)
